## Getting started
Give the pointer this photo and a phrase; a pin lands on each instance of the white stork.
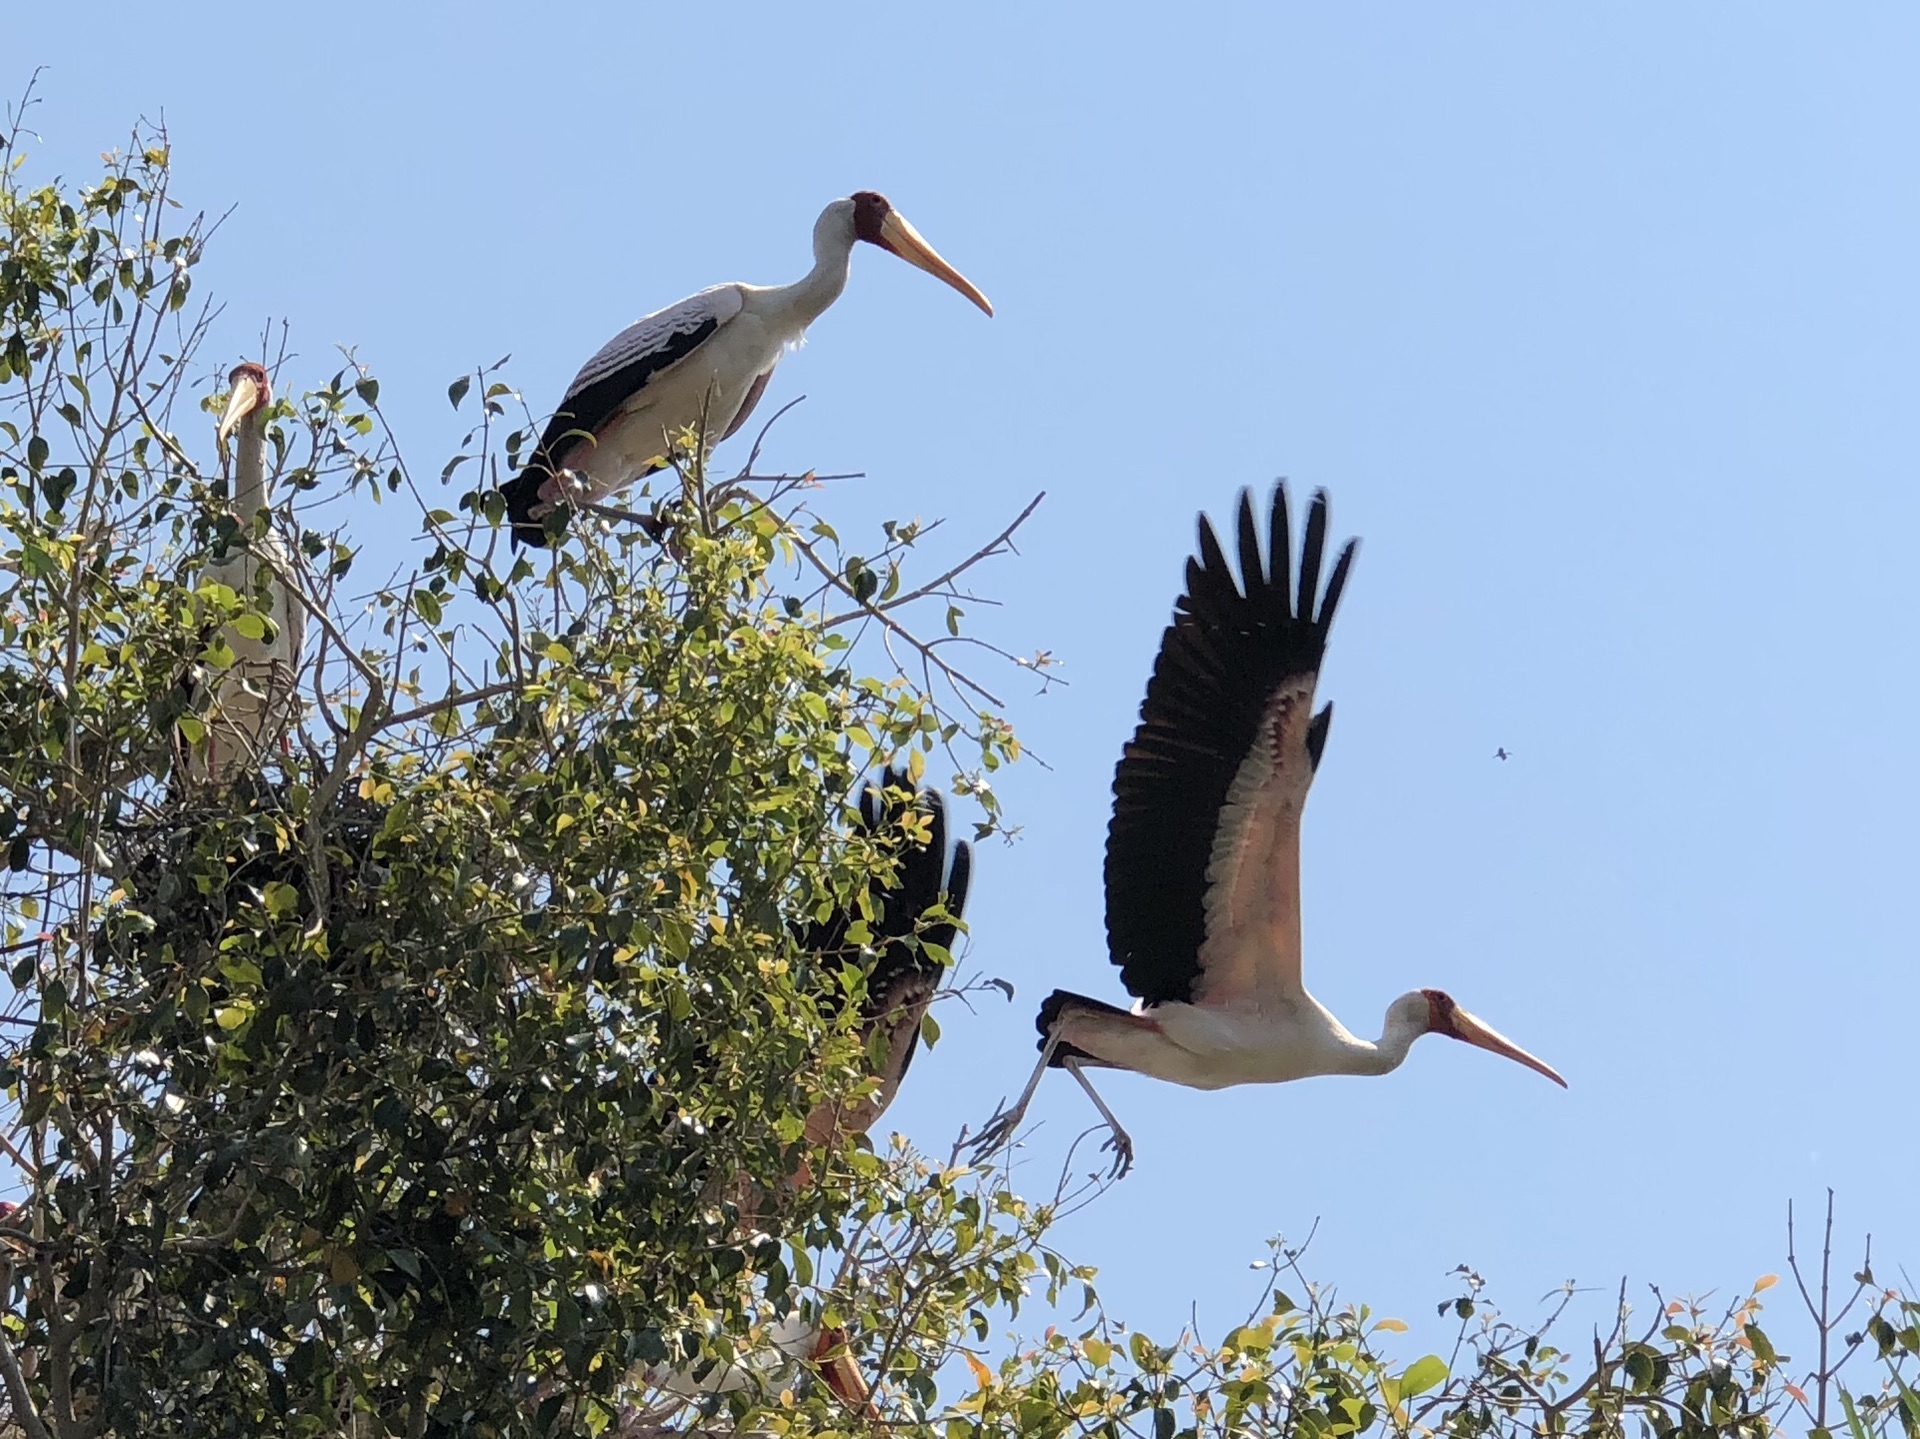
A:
(249, 706)
(912, 917)
(702, 362)
(1203, 852)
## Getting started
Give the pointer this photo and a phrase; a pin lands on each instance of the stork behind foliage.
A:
(249, 706)
(1203, 851)
(912, 918)
(703, 362)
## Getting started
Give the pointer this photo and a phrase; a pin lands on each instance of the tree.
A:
(450, 1077)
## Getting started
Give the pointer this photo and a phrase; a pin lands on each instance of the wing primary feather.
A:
(1310, 551)
(1280, 543)
(1317, 731)
(1336, 582)
(1252, 572)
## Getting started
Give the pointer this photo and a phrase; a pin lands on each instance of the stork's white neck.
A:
(250, 467)
(824, 282)
(1389, 1052)
(793, 307)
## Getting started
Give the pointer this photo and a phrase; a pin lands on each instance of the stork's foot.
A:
(996, 1133)
(1118, 1140)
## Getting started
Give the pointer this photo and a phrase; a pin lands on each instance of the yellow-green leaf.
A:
(1423, 1374)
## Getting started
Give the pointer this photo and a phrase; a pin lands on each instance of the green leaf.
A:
(1428, 1372)
(457, 391)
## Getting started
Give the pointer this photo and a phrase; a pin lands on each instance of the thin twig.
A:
(925, 650)
(420, 712)
(985, 552)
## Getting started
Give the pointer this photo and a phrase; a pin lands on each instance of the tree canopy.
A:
(452, 1075)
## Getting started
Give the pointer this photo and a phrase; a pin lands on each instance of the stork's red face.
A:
(252, 392)
(878, 223)
(1446, 1017)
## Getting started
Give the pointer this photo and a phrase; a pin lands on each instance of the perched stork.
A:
(1203, 851)
(912, 920)
(797, 1338)
(701, 363)
(912, 917)
(249, 706)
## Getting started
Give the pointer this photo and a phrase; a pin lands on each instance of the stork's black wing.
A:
(618, 372)
(906, 971)
(1226, 714)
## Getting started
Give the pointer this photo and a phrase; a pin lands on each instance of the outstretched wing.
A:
(908, 946)
(1203, 851)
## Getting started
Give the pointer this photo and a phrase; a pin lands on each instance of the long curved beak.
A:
(246, 394)
(906, 242)
(1485, 1036)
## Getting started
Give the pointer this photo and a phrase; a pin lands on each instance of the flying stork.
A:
(701, 365)
(912, 914)
(1203, 851)
(251, 705)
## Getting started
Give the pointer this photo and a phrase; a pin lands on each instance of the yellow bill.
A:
(1485, 1036)
(240, 403)
(906, 242)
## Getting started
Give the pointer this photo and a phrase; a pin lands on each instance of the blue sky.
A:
(1599, 325)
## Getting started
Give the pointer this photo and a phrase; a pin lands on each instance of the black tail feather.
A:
(1051, 1010)
(522, 493)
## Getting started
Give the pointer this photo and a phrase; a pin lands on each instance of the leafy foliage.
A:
(452, 1076)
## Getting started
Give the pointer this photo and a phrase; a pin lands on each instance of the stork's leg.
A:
(651, 525)
(1000, 1127)
(1119, 1141)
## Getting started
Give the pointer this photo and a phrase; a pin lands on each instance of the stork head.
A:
(1434, 1012)
(252, 392)
(875, 221)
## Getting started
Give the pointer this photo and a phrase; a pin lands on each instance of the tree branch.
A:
(956, 677)
(420, 712)
(18, 1395)
(987, 551)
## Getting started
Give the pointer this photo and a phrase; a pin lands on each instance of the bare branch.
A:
(925, 649)
(420, 712)
(998, 545)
